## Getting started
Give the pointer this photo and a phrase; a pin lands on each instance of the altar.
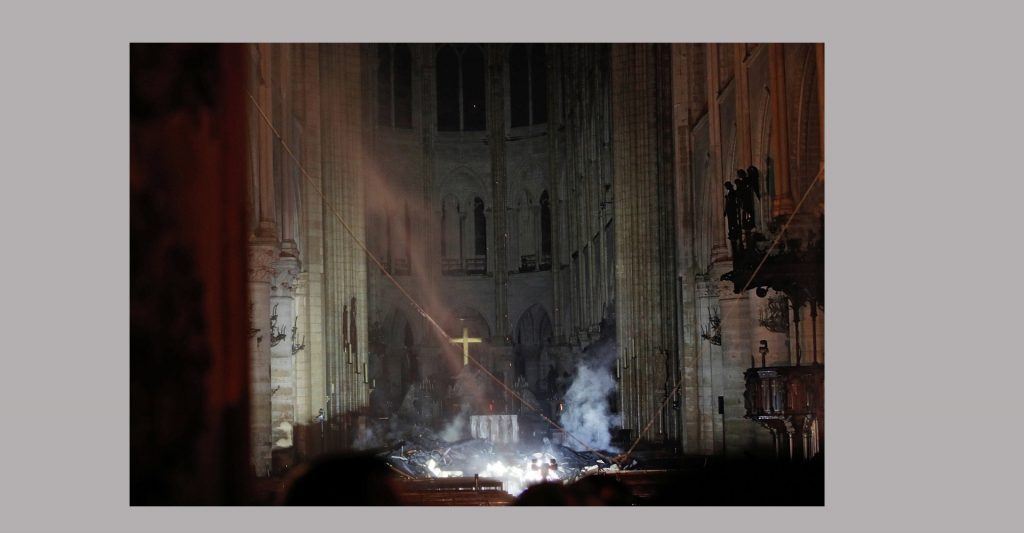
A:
(495, 428)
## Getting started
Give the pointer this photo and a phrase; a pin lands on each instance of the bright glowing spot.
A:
(432, 466)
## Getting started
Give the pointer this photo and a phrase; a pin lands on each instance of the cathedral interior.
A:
(477, 274)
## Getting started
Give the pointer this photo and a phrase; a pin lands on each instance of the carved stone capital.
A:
(284, 276)
(261, 263)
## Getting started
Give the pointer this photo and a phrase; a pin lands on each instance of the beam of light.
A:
(451, 353)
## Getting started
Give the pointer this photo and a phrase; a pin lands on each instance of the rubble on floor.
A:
(422, 454)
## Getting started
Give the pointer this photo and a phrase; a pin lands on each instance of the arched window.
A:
(451, 236)
(526, 232)
(478, 263)
(461, 89)
(384, 78)
(394, 86)
(527, 74)
(448, 116)
(403, 86)
(479, 227)
(538, 84)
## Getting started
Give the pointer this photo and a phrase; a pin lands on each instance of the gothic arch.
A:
(805, 112)
(524, 232)
(452, 213)
(461, 87)
(400, 362)
(463, 182)
(529, 340)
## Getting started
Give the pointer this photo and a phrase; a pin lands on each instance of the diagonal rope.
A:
(784, 228)
(419, 309)
(625, 457)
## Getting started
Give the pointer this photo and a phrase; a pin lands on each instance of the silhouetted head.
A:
(342, 480)
(600, 490)
(544, 494)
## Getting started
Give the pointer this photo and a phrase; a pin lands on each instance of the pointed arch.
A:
(526, 231)
(448, 88)
(478, 264)
(529, 340)
(474, 89)
(452, 218)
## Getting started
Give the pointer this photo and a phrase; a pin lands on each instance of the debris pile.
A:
(423, 454)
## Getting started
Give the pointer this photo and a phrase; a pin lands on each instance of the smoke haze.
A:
(587, 415)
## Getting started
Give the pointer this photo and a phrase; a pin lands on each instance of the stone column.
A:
(262, 251)
(266, 227)
(710, 369)
(344, 260)
(303, 396)
(739, 432)
(692, 393)
(744, 154)
(496, 143)
(312, 311)
(430, 249)
(282, 362)
(261, 257)
(783, 203)
(645, 262)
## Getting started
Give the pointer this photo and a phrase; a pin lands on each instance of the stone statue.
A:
(747, 192)
(732, 214)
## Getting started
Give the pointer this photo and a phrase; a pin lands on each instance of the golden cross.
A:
(464, 341)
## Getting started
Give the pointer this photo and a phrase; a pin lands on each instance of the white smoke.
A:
(367, 439)
(454, 430)
(587, 415)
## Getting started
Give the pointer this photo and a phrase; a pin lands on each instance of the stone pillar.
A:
(691, 368)
(645, 262)
(262, 251)
(301, 340)
(710, 369)
(312, 310)
(282, 362)
(499, 182)
(719, 242)
(744, 153)
(344, 260)
(266, 226)
(739, 432)
(428, 232)
(783, 203)
(261, 257)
